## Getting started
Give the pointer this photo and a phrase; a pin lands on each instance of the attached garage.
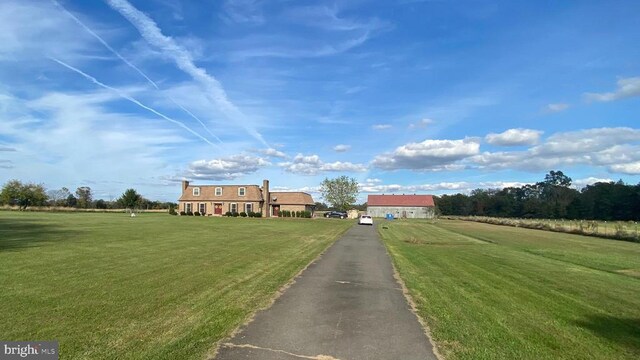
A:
(402, 206)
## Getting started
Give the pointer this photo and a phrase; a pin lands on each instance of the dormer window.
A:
(242, 191)
(218, 191)
(196, 191)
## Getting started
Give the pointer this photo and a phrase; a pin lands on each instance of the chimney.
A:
(185, 185)
(267, 198)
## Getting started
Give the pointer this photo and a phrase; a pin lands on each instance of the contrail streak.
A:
(116, 53)
(184, 61)
(125, 96)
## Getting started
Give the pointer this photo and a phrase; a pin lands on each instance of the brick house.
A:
(402, 206)
(216, 200)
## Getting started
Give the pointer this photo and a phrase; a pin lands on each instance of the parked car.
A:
(365, 220)
(336, 214)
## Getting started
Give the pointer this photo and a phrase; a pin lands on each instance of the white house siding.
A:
(402, 212)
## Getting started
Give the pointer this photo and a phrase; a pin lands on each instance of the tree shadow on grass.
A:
(625, 332)
(16, 234)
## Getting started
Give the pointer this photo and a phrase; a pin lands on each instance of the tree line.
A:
(23, 195)
(553, 198)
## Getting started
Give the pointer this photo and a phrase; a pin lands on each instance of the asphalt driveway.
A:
(347, 305)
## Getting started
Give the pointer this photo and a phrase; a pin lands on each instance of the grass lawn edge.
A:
(214, 351)
(412, 305)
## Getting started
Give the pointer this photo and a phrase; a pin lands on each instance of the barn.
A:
(402, 206)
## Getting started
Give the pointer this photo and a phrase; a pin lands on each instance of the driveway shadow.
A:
(20, 233)
(625, 332)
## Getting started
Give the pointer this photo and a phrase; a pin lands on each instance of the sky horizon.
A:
(407, 96)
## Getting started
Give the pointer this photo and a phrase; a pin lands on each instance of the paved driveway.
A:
(347, 305)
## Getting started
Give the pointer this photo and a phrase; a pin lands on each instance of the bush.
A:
(234, 214)
(306, 214)
(189, 213)
(196, 213)
(182, 213)
(257, 214)
(243, 214)
(172, 211)
(228, 214)
(298, 214)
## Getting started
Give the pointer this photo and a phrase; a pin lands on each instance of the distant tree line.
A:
(552, 198)
(23, 195)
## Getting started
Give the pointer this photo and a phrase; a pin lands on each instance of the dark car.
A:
(335, 214)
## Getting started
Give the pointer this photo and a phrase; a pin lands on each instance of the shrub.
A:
(197, 213)
(182, 213)
(298, 214)
(257, 214)
(235, 214)
(228, 213)
(189, 213)
(172, 211)
(243, 214)
(306, 214)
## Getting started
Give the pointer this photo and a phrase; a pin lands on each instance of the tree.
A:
(130, 199)
(15, 192)
(58, 197)
(84, 196)
(101, 204)
(340, 192)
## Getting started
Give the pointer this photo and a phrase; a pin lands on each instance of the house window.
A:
(203, 208)
(196, 191)
(248, 207)
(187, 207)
(218, 191)
(234, 207)
(242, 191)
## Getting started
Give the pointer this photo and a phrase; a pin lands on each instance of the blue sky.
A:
(405, 96)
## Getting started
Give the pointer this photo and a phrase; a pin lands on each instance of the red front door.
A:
(276, 210)
(217, 209)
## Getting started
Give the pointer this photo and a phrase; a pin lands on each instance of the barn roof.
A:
(400, 200)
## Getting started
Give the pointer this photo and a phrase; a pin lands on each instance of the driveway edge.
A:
(211, 355)
(407, 295)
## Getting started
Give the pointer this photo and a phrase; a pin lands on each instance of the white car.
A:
(365, 220)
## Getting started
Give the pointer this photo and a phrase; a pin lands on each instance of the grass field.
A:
(496, 292)
(107, 286)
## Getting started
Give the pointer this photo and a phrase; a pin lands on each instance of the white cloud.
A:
(61, 138)
(627, 87)
(580, 183)
(354, 90)
(421, 124)
(341, 148)
(312, 165)
(274, 153)
(381, 126)
(609, 147)
(556, 107)
(227, 168)
(433, 155)
(184, 61)
(441, 187)
(31, 27)
(628, 168)
(514, 137)
(243, 12)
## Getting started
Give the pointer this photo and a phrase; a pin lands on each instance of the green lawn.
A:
(496, 292)
(156, 286)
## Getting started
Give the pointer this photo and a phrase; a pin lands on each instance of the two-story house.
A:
(216, 200)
